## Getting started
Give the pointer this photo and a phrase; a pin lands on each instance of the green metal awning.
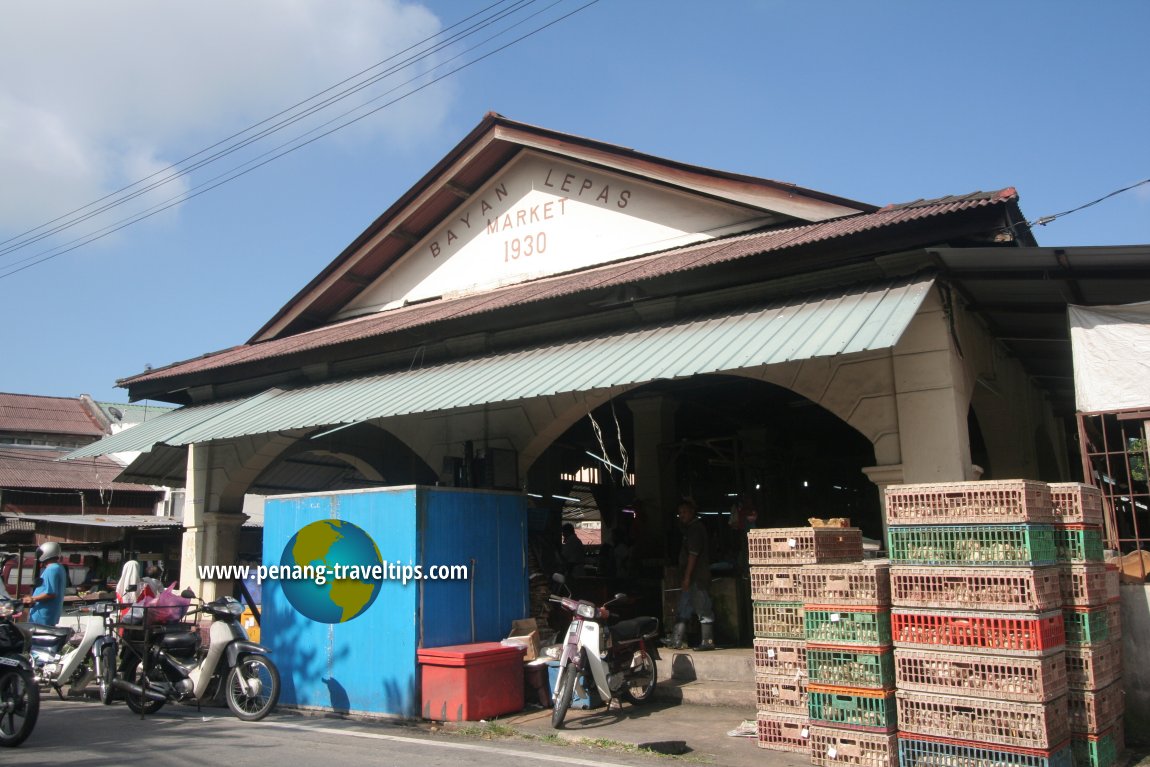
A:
(855, 320)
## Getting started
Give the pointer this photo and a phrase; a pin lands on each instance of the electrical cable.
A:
(1044, 220)
(232, 174)
(279, 126)
(236, 172)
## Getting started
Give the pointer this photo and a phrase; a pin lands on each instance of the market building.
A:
(542, 311)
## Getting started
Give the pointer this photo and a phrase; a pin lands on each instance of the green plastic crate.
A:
(981, 545)
(874, 711)
(1078, 543)
(853, 626)
(871, 668)
(1086, 627)
(1094, 751)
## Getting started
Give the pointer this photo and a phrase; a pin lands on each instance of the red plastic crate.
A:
(780, 657)
(831, 746)
(777, 584)
(866, 584)
(783, 694)
(1029, 680)
(466, 683)
(1016, 634)
(1075, 503)
(1006, 723)
(1005, 589)
(1083, 585)
(803, 545)
(784, 732)
(955, 503)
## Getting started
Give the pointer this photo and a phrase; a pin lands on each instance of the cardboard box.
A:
(525, 634)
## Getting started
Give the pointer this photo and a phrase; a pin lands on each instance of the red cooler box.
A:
(469, 682)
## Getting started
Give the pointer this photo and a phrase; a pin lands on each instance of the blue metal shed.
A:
(368, 664)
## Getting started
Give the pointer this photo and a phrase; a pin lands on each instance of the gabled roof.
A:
(478, 158)
(34, 414)
(777, 245)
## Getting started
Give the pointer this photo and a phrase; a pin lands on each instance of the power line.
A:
(69, 220)
(1044, 220)
(286, 147)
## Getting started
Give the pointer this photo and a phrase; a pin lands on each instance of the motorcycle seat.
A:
(42, 629)
(183, 641)
(634, 628)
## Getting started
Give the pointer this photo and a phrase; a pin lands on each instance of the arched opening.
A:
(790, 457)
(361, 456)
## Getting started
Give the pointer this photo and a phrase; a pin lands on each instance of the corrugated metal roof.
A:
(24, 468)
(110, 520)
(675, 261)
(855, 320)
(47, 415)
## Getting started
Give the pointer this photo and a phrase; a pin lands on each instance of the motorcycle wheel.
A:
(253, 687)
(640, 684)
(107, 663)
(19, 707)
(564, 689)
(147, 705)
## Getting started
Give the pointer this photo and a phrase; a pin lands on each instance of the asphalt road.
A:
(82, 733)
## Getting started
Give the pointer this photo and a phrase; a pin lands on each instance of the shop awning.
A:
(859, 319)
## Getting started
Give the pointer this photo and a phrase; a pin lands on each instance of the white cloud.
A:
(94, 95)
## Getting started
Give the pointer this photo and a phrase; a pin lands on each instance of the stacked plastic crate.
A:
(850, 664)
(1091, 615)
(978, 626)
(776, 556)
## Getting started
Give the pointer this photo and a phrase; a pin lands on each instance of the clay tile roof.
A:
(47, 415)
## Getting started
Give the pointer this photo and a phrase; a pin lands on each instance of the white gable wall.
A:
(543, 216)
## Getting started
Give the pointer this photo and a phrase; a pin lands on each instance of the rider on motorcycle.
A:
(47, 600)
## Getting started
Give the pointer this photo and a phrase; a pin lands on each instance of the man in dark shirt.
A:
(695, 580)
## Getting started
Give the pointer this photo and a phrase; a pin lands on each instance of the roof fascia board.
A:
(789, 202)
(383, 227)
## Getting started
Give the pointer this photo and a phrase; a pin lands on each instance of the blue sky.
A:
(881, 102)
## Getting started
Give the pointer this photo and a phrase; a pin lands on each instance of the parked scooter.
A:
(620, 657)
(19, 695)
(61, 656)
(168, 664)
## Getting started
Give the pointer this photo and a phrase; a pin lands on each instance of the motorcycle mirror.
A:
(620, 595)
(188, 594)
(558, 578)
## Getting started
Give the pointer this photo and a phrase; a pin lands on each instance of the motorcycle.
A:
(19, 695)
(168, 664)
(620, 657)
(61, 656)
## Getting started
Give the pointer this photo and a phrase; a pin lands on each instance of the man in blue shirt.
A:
(47, 599)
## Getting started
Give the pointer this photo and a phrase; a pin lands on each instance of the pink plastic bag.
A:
(168, 607)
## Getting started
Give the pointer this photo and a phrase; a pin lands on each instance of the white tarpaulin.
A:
(1111, 346)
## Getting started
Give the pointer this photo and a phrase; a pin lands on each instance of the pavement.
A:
(693, 732)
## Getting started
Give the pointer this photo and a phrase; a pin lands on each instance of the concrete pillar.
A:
(654, 418)
(210, 533)
(220, 534)
(932, 396)
(196, 498)
(884, 476)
